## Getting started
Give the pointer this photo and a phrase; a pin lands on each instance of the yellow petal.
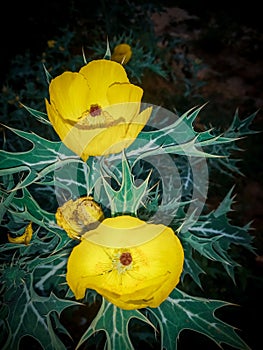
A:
(110, 232)
(108, 72)
(98, 141)
(124, 92)
(91, 263)
(147, 279)
(25, 238)
(113, 139)
(139, 122)
(81, 141)
(70, 96)
(108, 141)
(62, 128)
(72, 138)
(124, 100)
(75, 139)
(100, 74)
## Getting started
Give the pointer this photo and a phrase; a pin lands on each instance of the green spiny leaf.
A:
(129, 196)
(27, 208)
(48, 75)
(45, 157)
(181, 311)
(40, 116)
(179, 137)
(24, 208)
(237, 130)
(114, 322)
(28, 312)
(212, 236)
(6, 199)
(240, 128)
(191, 266)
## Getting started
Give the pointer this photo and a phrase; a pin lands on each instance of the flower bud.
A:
(122, 53)
(79, 216)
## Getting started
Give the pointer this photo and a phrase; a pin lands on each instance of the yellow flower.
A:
(25, 238)
(131, 263)
(51, 43)
(96, 111)
(122, 53)
(79, 216)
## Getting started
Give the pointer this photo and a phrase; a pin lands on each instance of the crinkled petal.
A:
(81, 141)
(100, 74)
(62, 128)
(115, 138)
(88, 264)
(78, 216)
(139, 121)
(124, 100)
(104, 84)
(25, 238)
(152, 275)
(70, 96)
(98, 141)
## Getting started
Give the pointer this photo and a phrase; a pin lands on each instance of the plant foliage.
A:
(37, 173)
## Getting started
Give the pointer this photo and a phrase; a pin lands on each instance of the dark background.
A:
(26, 24)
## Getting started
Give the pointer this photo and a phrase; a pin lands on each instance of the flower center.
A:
(95, 110)
(126, 258)
(87, 120)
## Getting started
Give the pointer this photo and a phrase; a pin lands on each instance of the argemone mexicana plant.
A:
(109, 218)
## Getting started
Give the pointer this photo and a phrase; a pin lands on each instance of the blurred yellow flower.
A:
(25, 238)
(122, 53)
(51, 43)
(96, 111)
(135, 273)
(79, 216)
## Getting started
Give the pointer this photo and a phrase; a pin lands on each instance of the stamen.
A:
(95, 110)
(126, 259)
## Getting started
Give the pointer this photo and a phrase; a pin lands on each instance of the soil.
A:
(233, 77)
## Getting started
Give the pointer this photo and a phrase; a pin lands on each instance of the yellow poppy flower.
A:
(25, 238)
(122, 53)
(138, 272)
(96, 111)
(79, 216)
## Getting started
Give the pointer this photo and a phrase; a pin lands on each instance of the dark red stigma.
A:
(126, 259)
(95, 110)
